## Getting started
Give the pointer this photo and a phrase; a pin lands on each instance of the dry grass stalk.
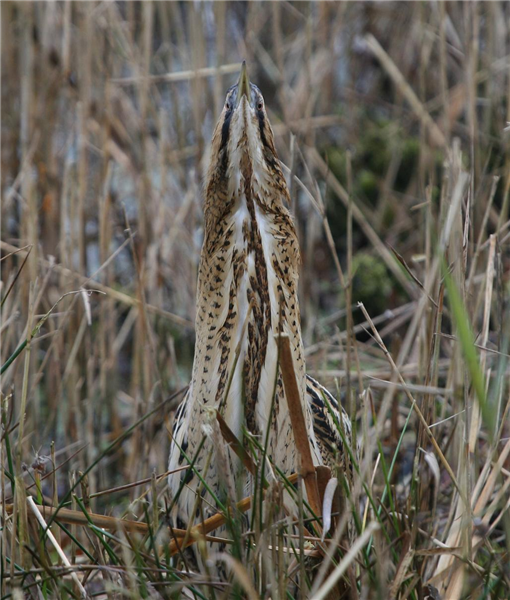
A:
(299, 428)
(56, 545)
(342, 566)
(401, 83)
(75, 517)
(235, 445)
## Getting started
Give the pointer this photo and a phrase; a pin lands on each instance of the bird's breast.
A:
(247, 294)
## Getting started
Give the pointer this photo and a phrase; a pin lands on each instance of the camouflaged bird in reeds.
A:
(247, 293)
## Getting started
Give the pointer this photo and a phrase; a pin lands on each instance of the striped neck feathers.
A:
(248, 275)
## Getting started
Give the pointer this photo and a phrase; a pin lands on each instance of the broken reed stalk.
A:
(76, 517)
(297, 420)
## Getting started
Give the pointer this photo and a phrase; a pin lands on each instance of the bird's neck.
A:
(247, 293)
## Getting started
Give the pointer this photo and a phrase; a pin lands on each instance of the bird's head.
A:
(243, 131)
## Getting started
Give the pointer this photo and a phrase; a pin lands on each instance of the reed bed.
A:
(392, 121)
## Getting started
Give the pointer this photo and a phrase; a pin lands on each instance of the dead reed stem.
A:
(299, 428)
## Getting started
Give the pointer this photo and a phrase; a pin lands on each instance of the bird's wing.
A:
(329, 418)
(179, 442)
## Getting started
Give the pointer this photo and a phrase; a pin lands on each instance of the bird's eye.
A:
(228, 105)
(260, 105)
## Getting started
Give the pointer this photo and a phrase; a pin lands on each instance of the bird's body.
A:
(247, 294)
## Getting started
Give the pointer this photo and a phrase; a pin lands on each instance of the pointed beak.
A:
(243, 85)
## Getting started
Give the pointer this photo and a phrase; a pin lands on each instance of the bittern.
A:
(247, 293)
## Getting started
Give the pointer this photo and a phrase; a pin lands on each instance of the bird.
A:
(247, 294)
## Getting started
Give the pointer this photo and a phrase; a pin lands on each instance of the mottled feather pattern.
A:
(247, 293)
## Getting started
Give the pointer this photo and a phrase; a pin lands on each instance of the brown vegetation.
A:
(392, 119)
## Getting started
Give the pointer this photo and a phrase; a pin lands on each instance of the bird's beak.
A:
(243, 85)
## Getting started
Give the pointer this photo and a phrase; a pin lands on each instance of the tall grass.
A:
(392, 119)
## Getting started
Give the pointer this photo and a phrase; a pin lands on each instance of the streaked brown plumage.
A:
(247, 292)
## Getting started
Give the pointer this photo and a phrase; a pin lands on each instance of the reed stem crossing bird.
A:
(247, 293)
